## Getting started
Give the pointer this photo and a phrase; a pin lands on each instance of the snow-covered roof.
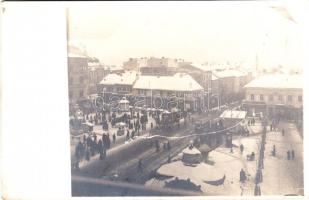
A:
(233, 114)
(279, 81)
(126, 78)
(229, 73)
(192, 151)
(178, 82)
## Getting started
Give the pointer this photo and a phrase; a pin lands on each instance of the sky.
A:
(247, 32)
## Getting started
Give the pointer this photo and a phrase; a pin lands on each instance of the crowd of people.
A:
(90, 146)
(129, 123)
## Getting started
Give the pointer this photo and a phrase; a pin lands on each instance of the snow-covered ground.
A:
(280, 176)
(283, 176)
(221, 162)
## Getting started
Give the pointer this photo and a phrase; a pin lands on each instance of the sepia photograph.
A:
(185, 99)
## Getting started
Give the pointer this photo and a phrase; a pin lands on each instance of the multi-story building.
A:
(96, 72)
(231, 83)
(206, 78)
(160, 66)
(275, 95)
(202, 75)
(118, 83)
(78, 77)
(181, 88)
(154, 66)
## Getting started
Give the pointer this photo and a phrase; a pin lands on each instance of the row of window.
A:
(280, 97)
(178, 94)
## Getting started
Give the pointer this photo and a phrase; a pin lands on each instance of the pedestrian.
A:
(108, 141)
(114, 138)
(292, 154)
(78, 151)
(84, 139)
(169, 158)
(151, 125)
(92, 148)
(157, 146)
(100, 148)
(95, 142)
(288, 155)
(241, 148)
(257, 190)
(274, 150)
(89, 141)
(128, 135)
(140, 166)
(282, 132)
(242, 176)
(168, 146)
(87, 154)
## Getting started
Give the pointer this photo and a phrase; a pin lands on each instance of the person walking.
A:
(282, 132)
(257, 190)
(87, 154)
(241, 148)
(140, 166)
(242, 176)
(157, 146)
(100, 148)
(288, 155)
(108, 142)
(292, 154)
(168, 146)
(274, 151)
(114, 138)
(128, 135)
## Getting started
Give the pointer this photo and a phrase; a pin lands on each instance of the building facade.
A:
(231, 84)
(118, 83)
(78, 78)
(275, 96)
(179, 90)
(96, 72)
